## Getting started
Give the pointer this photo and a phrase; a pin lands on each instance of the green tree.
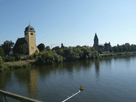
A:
(120, 49)
(41, 47)
(47, 48)
(100, 51)
(46, 58)
(22, 49)
(1, 62)
(111, 50)
(7, 46)
(2, 54)
(115, 49)
(60, 52)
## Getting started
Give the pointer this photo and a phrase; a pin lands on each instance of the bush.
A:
(100, 51)
(10, 59)
(57, 58)
(1, 63)
(17, 57)
(46, 58)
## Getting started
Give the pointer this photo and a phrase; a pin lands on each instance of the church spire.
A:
(95, 37)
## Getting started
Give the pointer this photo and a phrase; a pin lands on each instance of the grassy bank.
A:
(17, 64)
(119, 54)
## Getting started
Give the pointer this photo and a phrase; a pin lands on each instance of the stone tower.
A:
(96, 43)
(30, 38)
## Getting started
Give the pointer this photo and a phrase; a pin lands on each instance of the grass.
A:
(118, 54)
(17, 64)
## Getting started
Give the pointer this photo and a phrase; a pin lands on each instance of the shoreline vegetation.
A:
(60, 55)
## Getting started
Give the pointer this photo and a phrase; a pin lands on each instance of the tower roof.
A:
(29, 28)
(95, 37)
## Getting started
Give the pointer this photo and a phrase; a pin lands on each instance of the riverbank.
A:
(17, 64)
(28, 63)
(119, 54)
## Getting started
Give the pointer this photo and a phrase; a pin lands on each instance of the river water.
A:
(106, 80)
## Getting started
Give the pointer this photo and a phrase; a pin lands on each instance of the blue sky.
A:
(71, 22)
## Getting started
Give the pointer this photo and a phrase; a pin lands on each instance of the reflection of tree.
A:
(46, 70)
(5, 77)
(86, 63)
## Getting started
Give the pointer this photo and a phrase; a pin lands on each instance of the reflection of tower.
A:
(33, 83)
(97, 67)
(96, 43)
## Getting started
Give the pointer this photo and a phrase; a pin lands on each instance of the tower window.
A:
(25, 33)
(31, 33)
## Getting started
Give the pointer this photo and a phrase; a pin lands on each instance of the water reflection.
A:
(5, 78)
(97, 67)
(55, 82)
(29, 78)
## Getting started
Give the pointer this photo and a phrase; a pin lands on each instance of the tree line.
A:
(123, 48)
(57, 54)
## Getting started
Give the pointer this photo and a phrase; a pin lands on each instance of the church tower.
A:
(30, 38)
(96, 43)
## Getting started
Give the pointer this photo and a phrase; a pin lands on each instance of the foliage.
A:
(60, 52)
(58, 58)
(20, 49)
(7, 46)
(47, 48)
(66, 54)
(41, 47)
(46, 58)
(9, 59)
(123, 48)
(17, 57)
(100, 51)
(2, 54)
(1, 62)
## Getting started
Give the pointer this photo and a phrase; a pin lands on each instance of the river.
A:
(106, 80)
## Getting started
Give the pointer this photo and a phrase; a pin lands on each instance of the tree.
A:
(111, 50)
(60, 52)
(22, 49)
(2, 54)
(47, 48)
(7, 46)
(41, 47)
(115, 49)
(100, 51)
(1, 62)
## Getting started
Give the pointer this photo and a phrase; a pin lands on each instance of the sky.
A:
(71, 22)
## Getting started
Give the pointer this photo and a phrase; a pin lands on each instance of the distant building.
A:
(97, 46)
(28, 40)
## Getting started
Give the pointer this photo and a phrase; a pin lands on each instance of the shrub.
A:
(57, 58)
(10, 59)
(100, 51)
(1, 63)
(46, 58)
(17, 57)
